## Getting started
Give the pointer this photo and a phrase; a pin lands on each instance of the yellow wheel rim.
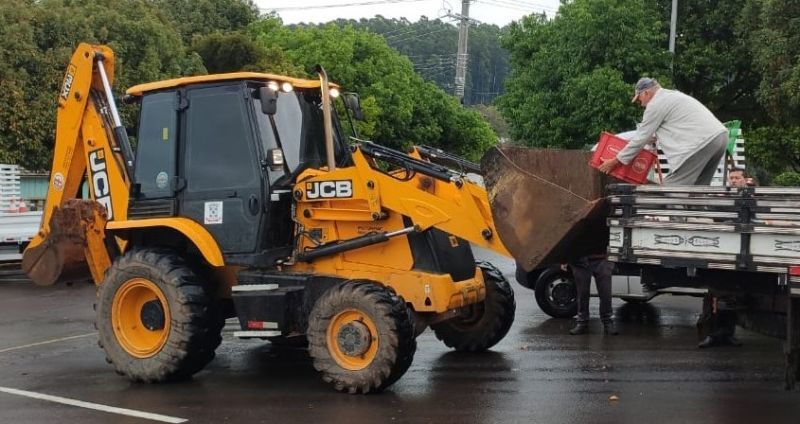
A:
(352, 339)
(140, 317)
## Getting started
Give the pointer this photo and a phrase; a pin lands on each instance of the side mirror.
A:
(269, 100)
(353, 103)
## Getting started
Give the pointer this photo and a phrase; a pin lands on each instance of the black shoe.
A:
(609, 328)
(579, 328)
(708, 342)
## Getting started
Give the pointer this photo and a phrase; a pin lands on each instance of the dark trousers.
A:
(582, 271)
(720, 313)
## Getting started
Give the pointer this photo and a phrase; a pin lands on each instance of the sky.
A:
(497, 12)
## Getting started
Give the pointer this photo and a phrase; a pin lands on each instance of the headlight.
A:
(334, 92)
(287, 87)
(273, 85)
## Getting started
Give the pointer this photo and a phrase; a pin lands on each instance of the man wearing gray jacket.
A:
(691, 137)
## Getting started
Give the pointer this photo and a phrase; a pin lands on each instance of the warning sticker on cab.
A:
(213, 213)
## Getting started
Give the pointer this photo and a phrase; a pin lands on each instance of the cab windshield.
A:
(298, 129)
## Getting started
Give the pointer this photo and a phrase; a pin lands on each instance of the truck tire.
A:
(156, 319)
(361, 337)
(484, 324)
(556, 294)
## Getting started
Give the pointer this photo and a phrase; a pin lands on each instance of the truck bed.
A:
(745, 229)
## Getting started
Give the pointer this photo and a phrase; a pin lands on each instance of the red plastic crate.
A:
(635, 172)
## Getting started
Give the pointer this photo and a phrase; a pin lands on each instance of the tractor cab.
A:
(224, 151)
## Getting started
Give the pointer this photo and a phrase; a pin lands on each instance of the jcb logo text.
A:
(329, 189)
(68, 79)
(100, 183)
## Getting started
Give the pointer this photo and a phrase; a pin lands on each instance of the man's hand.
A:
(564, 267)
(608, 165)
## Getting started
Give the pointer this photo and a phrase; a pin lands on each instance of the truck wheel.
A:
(484, 324)
(156, 319)
(361, 337)
(556, 294)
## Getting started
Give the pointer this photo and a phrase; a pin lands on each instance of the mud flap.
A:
(548, 205)
(60, 256)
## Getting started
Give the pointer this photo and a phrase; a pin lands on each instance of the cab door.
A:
(223, 183)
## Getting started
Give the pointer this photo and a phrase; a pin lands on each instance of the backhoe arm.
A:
(90, 143)
(429, 194)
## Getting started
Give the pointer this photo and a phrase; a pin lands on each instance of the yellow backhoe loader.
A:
(244, 199)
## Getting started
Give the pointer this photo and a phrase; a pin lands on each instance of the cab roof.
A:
(141, 89)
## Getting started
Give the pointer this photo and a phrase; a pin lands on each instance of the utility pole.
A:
(673, 24)
(461, 59)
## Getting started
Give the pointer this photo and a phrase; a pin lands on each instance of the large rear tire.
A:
(157, 320)
(361, 337)
(556, 294)
(482, 325)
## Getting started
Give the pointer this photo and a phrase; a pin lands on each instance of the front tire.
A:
(156, 319)
(556, 294)
(483, 325)
(361, 337)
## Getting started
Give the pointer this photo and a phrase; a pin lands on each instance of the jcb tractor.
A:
(244, 199)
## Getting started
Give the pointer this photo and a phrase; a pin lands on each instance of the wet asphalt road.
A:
(537, 374)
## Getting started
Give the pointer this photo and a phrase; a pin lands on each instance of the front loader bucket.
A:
(60, 256)
(548, 205)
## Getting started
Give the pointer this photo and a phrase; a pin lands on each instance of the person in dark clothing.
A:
(582, 271)
(723, 322)
(721, 312)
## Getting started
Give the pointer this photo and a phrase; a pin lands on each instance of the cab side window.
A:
(157, 146)
(218, 154)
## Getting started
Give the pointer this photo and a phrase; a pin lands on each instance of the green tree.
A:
(37, 39)
(234, 52)
(492, 115)
(431, 46)
(771, 30)
(712, 62)
(775, 46)
(572, 76)
(201, 17)
(400, 108)
(774, 148)
(787, 179)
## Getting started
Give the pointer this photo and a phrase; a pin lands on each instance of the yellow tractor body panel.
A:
(138, 90)
(195, 232)
(378, 204)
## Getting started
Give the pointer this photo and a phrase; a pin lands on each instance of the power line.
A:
(432, 55)
(411, 30)
(335, 6)
(402, 40)
(530, 4)
(524, 7)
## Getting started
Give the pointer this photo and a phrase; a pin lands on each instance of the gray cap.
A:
(643, 84)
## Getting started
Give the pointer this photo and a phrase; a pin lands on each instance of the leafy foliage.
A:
(199, 17)
(712, 62)
(431, 46)
(235, 52)
(37, 39)
(776, 148)
(787, 179)
(774, 33)
(400, 107)
(572, 76)
(771, 31)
